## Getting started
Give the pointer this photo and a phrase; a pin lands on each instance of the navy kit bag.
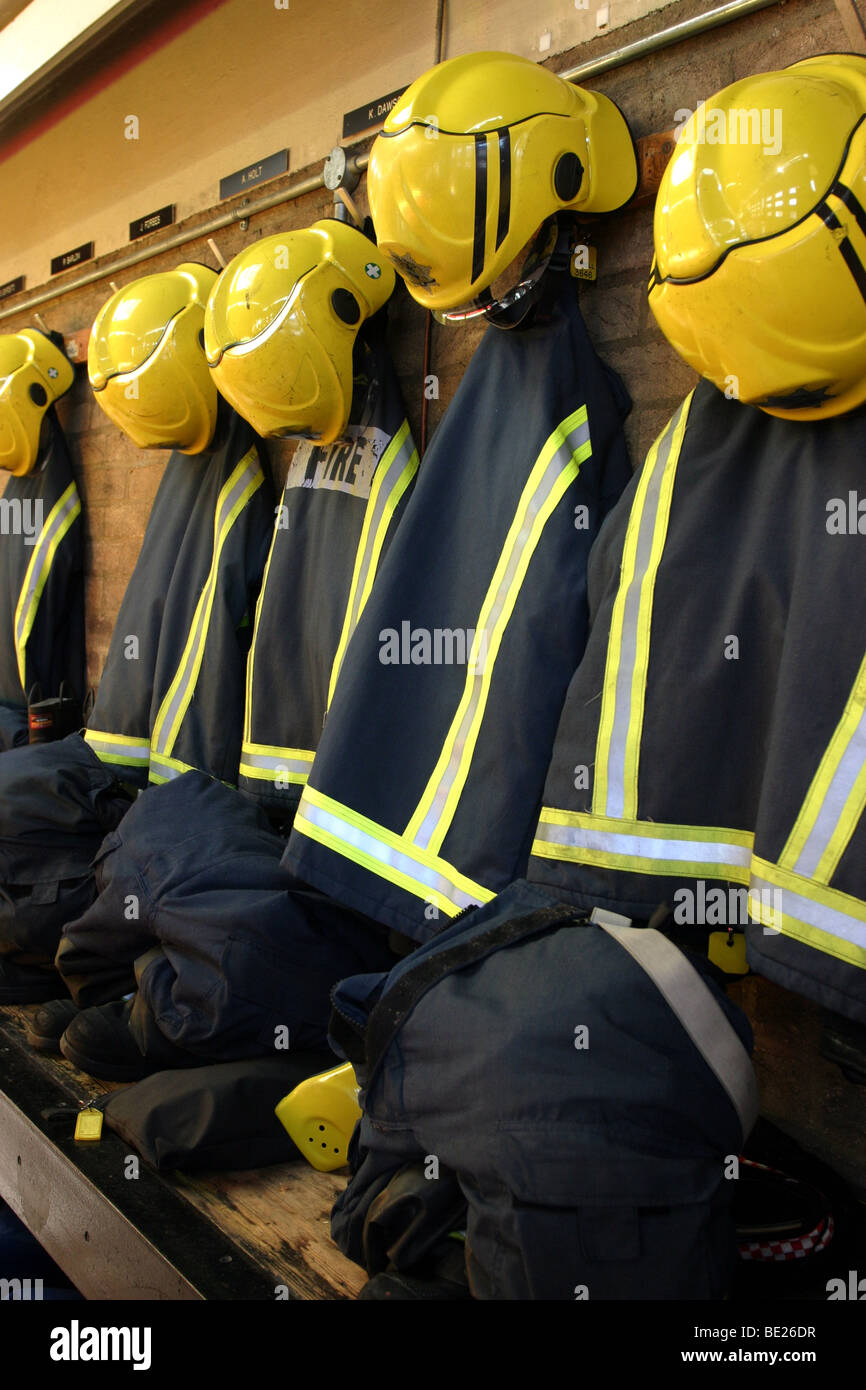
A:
(584, 1086)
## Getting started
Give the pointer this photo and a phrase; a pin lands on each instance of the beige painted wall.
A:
(247, 80)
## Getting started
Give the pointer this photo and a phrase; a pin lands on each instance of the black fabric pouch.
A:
(213, 1117)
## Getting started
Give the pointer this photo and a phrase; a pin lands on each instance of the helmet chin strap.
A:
(532, 299)
(536, 305)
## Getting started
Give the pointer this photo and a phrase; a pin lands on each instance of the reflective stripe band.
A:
(821, 917)
(556, 468)
(622, 708)
(248, 704)
(386, 854)
(60, 518)
(394, 472)
(269, 764)
(246, 479)
(699, 1013)
(169, 768)
(118, 748)
(644, 846)
(836, 799)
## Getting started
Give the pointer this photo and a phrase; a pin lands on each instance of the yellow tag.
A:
(583, 262)
(88, 1125)
(731, 959)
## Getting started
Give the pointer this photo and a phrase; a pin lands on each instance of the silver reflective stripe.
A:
(395, 468)
(35, 578)
(699, 1013)
(841, 785)
(165, 772)
(283, 763)
(615, 806)
(131, 753)
(165, 719)
(425, 876)
(643, 846)
(814, 914)
(551, 476)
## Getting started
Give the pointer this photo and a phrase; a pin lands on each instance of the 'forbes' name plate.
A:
(163, 217)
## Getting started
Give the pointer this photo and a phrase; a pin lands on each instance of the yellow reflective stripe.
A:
(270, 774)
(624, 689)
(385, 853)
(644, 623)
(614, 641)
(248, 711)
(60, 518)
(824, 918)
(648, 847)
(563, 453)
(131, 751)
(366, 861)
(173, 709)
(381, 505)
(266, 762)
(273, 750)
(123, 740)
(845, 827)
(836, 797)
(173, 767)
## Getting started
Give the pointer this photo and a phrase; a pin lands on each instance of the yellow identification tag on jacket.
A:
(731, 959)
(88, 1125)
(583, 262)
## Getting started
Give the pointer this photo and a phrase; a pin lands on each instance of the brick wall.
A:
(118, 482)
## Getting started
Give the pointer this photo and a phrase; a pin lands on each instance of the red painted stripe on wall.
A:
(164, 34)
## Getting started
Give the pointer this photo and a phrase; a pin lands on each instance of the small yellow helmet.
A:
(320, 1115)
(146, 362)
(281, 325)
(759, 276)
(34, 373)
(475, 156)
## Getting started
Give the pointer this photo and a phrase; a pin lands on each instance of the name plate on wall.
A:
(269, 168)
(12, 287)
(71, 258)
(374, 113)
(163, 217)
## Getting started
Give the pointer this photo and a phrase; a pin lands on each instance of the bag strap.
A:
(704, 1020)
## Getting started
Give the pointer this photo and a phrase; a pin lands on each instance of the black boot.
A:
(98, 1042)
(48, 1024)
(441, 1277)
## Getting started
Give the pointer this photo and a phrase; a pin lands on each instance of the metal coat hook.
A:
(350, 205)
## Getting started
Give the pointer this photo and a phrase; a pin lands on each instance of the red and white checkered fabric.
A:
(794, 1248)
